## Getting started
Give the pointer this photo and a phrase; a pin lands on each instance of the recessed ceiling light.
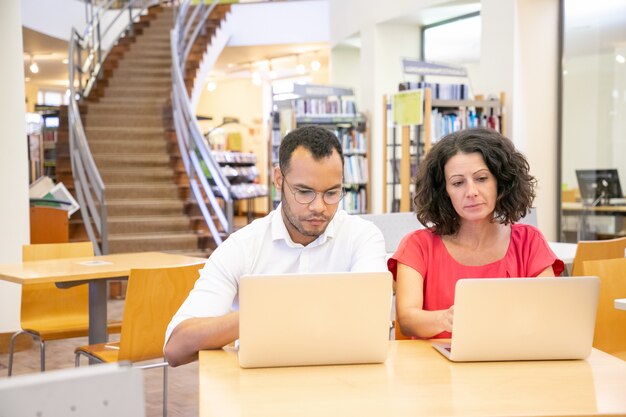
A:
(620, 58)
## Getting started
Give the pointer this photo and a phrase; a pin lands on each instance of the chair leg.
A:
(165, 390)
(42, 354)
(12, 349)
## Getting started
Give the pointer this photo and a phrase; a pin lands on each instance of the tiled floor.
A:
(182, 386)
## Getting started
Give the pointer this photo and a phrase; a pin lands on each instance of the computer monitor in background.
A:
(599, 186)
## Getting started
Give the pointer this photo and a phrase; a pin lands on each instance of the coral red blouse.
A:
(527, 256)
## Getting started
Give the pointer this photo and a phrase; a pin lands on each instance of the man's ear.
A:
(278, 178)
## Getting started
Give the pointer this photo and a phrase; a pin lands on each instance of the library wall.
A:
(241, 99)
(31, 96)
(510, 62)
(14, 213)
(382, 47)
(343, 61)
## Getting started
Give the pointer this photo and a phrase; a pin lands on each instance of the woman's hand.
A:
(446, 319)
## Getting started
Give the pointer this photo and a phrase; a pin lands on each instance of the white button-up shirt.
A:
(265, 247)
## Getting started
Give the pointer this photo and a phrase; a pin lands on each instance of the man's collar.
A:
(279, 230)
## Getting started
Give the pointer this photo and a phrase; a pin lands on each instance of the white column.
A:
(382, 48)
(14, 211)
(519, 56)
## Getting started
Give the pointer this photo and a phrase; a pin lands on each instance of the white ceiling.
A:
(49, 53)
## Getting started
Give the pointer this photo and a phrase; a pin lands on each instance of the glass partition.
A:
(593, 130)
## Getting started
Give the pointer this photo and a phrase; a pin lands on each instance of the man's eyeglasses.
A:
(304, 196)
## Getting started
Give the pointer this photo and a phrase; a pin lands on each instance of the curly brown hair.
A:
(516, 187)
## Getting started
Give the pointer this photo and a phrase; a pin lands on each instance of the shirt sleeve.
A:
(369, 254)
(216, 288)
(410, 252)
(540, 255)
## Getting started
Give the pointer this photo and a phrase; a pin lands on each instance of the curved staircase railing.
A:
(87, 51)
(210, 188)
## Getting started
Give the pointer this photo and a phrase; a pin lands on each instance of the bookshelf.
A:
(243, 175)
(404, 146)
(333, 108)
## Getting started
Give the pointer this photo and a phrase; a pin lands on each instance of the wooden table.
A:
(95, 271)
(414, 381)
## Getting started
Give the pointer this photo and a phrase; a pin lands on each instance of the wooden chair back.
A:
(610, 334)
(44, 306)
(152, 298)
(399, 335)
(594, 250)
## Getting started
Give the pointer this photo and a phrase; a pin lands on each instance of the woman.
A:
(470, 190)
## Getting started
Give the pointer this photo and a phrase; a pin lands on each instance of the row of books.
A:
(440, 91)
(445, 122)
(352, 141)
(355, 201)
(240, 191)
(325, 106)
(230, 157)
(355, 169)
(240, 174)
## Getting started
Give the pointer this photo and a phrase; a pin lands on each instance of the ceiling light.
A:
(300, 69)
(27, 79)
(315, 65)
(34, 68)
(620, 58)
(211, 86)
(65, 61)
(256, 78)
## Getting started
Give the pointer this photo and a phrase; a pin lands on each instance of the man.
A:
(306, 233)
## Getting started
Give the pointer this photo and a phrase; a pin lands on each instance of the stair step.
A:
(142, 190)
(144, 82)
(134, 101)
(130, 71)
(133, 176)
(152, 242)
(130, 134)
(144, 207)
(114, 109)
(127, 146)
(140, 160)
(130, 120)
(142, 62)
(152, 224)
(136, 93)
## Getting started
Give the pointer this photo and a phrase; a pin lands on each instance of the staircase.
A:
(127, 126)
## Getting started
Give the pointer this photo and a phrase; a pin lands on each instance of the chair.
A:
(394, 226)
(610, 330)
(50, 313)
(102, 391)
(592, 250)
(152, 298)
(530, 218)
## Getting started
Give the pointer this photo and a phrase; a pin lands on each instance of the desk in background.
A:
(414, 381)
(93, 270)
(585, 212)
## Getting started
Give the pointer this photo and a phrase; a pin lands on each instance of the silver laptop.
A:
(314, 319)
(503, 319)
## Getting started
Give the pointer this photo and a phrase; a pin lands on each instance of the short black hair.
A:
(516, 187)
(317, 140)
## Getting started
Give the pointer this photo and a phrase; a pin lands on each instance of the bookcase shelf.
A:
(334, 109)
(405, 146)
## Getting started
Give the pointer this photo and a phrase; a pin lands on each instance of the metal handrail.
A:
(214, 199)
(86, 56)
